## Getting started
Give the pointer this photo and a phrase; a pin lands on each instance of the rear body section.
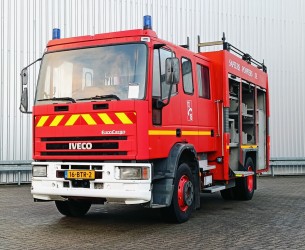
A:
(244, 104)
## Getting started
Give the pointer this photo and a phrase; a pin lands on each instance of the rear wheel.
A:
(73, 208)
(183, 197)
(244, 188)
(227, 194)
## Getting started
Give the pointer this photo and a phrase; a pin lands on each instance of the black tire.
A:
(244, 189)
(183, 202)
(73, 208)
(227, 194)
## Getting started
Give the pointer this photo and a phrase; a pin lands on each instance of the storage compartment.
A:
(248, 114)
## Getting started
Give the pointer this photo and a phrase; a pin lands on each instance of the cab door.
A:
(166, 120)
(188, 104)
(206, 106)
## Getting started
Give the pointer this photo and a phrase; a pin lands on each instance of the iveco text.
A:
(79, 145)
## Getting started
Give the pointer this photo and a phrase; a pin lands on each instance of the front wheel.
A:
(183, 196)
(73, 208)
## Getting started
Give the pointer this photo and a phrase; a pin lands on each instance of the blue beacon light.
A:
(56, 34)
(147, 22)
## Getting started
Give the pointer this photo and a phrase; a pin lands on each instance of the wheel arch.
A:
(165, 171)
(249, 153)
(253, 155)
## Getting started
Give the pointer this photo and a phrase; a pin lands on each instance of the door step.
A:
(243, 173)
(208, 167)
(213, 189)
(203, 165)
(157, 206)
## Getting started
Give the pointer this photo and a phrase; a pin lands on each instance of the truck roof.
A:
(103, 36)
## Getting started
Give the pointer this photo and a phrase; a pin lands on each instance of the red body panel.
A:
(82, 124)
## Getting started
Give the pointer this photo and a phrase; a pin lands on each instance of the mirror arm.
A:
(169, 96)
(39, 59)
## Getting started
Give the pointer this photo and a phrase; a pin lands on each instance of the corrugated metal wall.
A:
(273, 30)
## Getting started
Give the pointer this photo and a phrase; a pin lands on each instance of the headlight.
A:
(132, 173)
(39, 171)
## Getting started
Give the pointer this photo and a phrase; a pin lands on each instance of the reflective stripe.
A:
(123, 118)
(42, 121)
(72, 120)
(161, 132)
(205, 133)
(88, 119)
(248, 146)
(190, 132)
(105, 118)
(173, 132)
(56, 120)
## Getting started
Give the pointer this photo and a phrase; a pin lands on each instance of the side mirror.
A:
(172, 70)
(24, 101)
(24, 76)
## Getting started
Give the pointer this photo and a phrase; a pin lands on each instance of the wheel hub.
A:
(250, 181)
(188, 193)
(185, 193)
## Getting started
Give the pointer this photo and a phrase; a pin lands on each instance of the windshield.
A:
(118, 70)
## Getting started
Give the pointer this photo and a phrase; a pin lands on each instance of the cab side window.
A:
(160, 87)
(187, 76)
(203, 75)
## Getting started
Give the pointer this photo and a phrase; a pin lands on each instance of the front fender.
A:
(165, 171)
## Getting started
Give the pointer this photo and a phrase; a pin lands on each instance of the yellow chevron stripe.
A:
(42, 121)
(105, 118)
(72, 120)
(56, 120)
(123, 118)
(88, 118)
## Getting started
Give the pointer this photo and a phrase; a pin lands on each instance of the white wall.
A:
(272, 30)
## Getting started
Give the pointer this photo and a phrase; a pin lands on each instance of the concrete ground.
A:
(273, 219)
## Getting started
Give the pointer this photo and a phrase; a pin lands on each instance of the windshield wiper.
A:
(101, 97)
(58, 99)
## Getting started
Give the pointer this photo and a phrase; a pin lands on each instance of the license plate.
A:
(80, 174)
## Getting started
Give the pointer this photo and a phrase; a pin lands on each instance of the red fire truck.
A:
(127, 117)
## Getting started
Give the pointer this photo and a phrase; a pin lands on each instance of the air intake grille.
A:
(83, 146)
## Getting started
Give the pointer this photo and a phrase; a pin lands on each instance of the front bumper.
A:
(106, 187)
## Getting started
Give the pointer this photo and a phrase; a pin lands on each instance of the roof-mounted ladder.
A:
(229, 47)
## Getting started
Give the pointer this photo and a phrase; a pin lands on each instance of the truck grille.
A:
(88, 138)
(86, 146)
(63, 146)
